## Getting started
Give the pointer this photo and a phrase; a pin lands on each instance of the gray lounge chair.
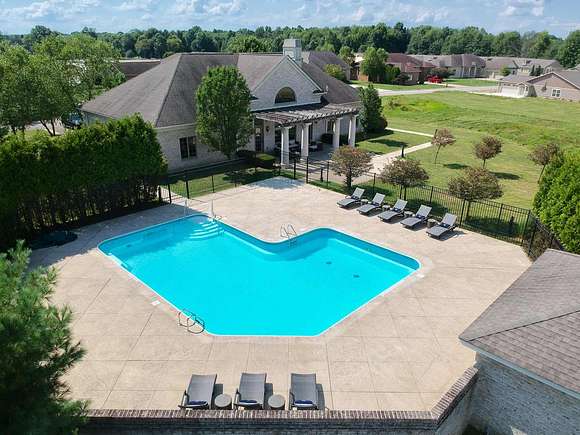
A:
(376, 203)
(419, 217)
(446, 224)
(303, 393)
(353, 199)
(199, 392)
(397, 210)
(251, 391)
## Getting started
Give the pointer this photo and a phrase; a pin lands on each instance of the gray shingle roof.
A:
(323, 58)
(515, 79)
(165, 94)
(133, 67)
(535, 323)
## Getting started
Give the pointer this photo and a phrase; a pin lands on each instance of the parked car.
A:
(434, 79)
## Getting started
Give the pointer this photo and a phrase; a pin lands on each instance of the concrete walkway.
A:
(379, 161)
(410, 132)
(450, 88)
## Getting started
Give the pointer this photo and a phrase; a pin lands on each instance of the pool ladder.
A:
(287, 231)
(191, 321)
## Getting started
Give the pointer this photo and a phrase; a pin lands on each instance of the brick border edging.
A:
(416, 420)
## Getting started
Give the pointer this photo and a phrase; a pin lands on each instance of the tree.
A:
(475, 184)
(373, 64)
(370, 116)
(401, 79)
(404, 173)
(36, 35)
(442, 138)
(487, 148)
(507, 44)
(350, 162)
(203, 42)
(442, 73)
(37, 350)
(569, 53)
(247, 44)
(335, 71)
(557, 202)
(544, 154)
(346, 54)
(505, 71)
(224, 121)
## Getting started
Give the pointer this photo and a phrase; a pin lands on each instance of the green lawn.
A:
(470, 82)
(395, 87)
(391, 141)
(521, 123)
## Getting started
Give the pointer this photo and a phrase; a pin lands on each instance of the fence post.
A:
(327, 170)
(431, 195)
(525, 228)
(307, 159)
(405, 193)
(295, 169)
(532, 237)
(212, 184)
(169, 190)
(187, 188)
(374, 181)
(321, 174)
(499, 215)
(159, 192)
(461, 215)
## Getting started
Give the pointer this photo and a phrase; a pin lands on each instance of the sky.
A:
(19, 16)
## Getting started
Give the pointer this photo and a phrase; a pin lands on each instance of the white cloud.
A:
(49, 8)
(224, 8)
(534, 8)
(135, 5)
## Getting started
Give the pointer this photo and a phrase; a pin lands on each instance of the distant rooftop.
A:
(535, 323)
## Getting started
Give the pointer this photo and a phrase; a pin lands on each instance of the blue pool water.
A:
(240, 285)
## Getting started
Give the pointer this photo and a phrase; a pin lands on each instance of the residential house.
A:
(323, 58)
(417, 70)
(527, 346)
(133, 67)
(459, 65)
(564, 85)
(294, 102)
(494, 66)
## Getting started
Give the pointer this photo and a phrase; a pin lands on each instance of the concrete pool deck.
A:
(399, 352)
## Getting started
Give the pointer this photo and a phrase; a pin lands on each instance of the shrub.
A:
(98, 169)
(475, 184)
(335, 71)
(371, 117)
(544, 154)
(406, 173)
(487, 148)
(557, 202)
(350, 162)
(263, 160)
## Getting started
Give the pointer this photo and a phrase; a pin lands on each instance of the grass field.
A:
(470, 82)
(395, 87)
(391, 141)
(521, 123)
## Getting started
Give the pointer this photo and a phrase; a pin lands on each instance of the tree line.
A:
(155, 43)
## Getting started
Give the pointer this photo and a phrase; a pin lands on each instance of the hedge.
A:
(59, 182)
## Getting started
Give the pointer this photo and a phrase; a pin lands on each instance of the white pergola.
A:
(304, 116)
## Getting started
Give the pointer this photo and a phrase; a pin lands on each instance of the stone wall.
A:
(446, 418)
(505, 401)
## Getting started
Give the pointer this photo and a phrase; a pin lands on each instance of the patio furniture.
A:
(303, 392)
(199, 392)
(276, 402)
(375, 204)
(223, 401)
(251, 392)
(353, 199)
(431, 223)
(408, 213)
(447, 224)
(397, 210)
(419, 217)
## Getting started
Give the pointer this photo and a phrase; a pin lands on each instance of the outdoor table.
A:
(276, 402)
(223, 401)
(431, 223)
(408, 214)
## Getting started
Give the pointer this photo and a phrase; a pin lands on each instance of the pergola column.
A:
(285, 148)
(305, 139)
(336, 135)
(352, 131)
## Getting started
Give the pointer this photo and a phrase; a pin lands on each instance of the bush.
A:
(371, 117)
(265, 161)
(99, 169)
(557, 202)
(335, 71)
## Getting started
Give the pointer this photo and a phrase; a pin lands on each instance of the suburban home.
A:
(528, 352)
(294, 102)
(519, 66)
(323, 58)
(417, 70)
(459, 65)
(564, 85)
(133, 67)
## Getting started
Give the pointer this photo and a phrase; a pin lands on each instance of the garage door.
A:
(510, 91)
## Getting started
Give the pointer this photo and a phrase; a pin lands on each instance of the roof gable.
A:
(570, 76)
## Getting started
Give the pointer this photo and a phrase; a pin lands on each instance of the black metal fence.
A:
(506, 222)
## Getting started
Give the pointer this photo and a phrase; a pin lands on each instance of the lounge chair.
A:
(397, 210)
(353, 199)
(376, 203)
(303, 393)
(251, 391)
(199, 392)
(446, 224)
(419, 217)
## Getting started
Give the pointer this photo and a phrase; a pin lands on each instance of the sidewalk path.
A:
(410, 132)
(381, 160)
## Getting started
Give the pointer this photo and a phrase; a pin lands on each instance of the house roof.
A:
(535, 323)
(451, 60)
(529, 62)
(165, 94)
(408, 63)
(571, 76)
(515, 79)
(323, 58)
(292, 115)
(499, 62)
(133, 67)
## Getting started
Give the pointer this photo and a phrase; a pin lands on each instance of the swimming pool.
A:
(240, 285)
